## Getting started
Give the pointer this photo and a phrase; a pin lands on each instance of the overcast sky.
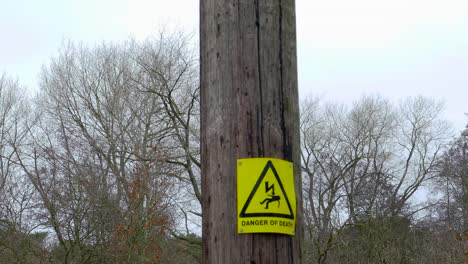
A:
(346, 49)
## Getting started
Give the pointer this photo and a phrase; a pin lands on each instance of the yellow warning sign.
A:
(266, 200)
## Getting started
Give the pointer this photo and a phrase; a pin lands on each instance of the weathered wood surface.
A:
(249, 108)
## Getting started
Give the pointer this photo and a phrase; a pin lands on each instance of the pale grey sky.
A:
(346, 49)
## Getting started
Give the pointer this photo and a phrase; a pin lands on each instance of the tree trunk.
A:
(464, 172)
(249, 108)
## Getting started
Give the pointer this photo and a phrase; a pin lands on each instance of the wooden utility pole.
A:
(249, 108)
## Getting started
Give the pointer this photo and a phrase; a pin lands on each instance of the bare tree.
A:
(449, 195)
(362, 166)
(13, 109)
(20, 241)
(97, 157)
(171, 68)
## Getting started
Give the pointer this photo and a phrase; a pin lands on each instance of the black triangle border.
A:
(243, 213)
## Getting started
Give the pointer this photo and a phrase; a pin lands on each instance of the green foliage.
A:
(182, 249)
(17, 246)
(379, 240)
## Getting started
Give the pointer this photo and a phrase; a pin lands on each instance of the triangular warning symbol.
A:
(264, 201)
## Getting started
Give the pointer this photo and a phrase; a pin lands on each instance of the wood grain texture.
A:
(249, 108)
